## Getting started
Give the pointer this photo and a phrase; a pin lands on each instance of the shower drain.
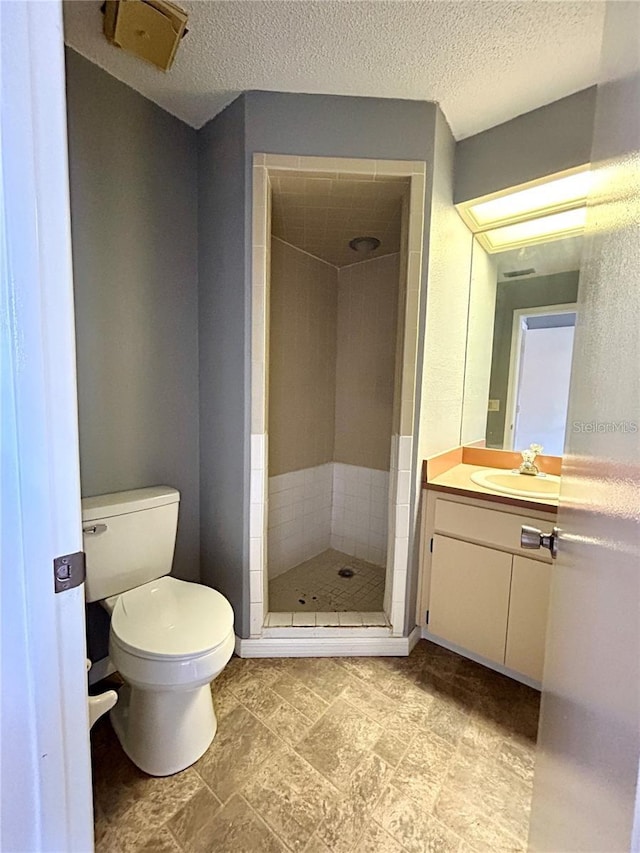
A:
(346, 572)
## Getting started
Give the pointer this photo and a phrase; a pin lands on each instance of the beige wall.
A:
(447, 296)
(366, 351)
(302, 359)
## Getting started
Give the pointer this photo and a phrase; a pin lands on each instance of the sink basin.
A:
(522, 485)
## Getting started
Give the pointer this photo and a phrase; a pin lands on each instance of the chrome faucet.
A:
(528, 456)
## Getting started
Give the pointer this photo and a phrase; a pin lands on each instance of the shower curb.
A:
(327, 646)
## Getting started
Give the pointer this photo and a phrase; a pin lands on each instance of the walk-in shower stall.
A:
(332, 348)
(336, 307)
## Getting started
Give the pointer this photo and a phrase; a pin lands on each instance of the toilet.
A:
(169, 638)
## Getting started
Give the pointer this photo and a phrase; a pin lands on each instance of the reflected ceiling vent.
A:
(518, 273)
(149, 29)
(364, 245)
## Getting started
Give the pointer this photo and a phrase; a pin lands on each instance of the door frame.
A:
(46, 768)
(514, 361)
(403, 464)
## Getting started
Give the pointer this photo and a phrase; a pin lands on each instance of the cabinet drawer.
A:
(486, 526)
(470, 596)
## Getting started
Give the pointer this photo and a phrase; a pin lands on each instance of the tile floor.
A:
(337, 755)
(330, 619)
(315, 585)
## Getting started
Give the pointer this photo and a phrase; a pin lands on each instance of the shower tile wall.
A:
(365, 361)
(331, 381)
(359, 512)
(299, 516)
(333, 505)
(302, 360)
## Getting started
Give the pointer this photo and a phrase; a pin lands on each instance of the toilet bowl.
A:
(169, 638)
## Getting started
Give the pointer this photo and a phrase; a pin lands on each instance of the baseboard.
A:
(414, 636)
(497, 667)
(310, 646)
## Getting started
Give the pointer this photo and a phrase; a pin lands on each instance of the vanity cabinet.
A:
(479, 592)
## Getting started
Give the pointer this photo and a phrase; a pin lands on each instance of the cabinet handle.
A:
(94, 529)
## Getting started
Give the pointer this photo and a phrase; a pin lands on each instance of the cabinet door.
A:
(470, 596)
(526, 632)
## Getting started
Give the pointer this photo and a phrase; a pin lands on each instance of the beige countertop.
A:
(457, 480)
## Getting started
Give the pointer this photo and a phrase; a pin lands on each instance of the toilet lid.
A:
(171, 618)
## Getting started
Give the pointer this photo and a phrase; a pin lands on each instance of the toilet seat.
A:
(169, 619)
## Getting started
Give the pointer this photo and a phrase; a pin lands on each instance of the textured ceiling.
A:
(483, 62)
(321, 215)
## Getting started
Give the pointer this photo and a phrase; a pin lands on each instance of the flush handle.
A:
(94, 529)
(533, 539)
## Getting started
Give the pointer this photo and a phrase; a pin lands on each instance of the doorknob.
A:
(533, 539)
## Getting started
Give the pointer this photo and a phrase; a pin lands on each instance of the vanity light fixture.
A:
(543, 229)
(547, 209)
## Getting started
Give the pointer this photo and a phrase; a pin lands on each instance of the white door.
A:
(46, 771)
(543, 387)
(585, 791)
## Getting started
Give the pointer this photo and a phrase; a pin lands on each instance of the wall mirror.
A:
(522, 316)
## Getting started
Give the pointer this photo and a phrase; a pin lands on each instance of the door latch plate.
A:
(69, 571)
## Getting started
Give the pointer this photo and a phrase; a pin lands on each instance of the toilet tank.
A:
(129, 539)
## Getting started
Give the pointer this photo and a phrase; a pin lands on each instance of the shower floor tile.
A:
(315, 585)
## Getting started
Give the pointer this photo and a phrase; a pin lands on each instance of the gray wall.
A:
(134, 229)
(338, 126)
(224, 360)
(539, 143)
(145, 297)
(555, 289)
(276, 123)
(335, 126)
